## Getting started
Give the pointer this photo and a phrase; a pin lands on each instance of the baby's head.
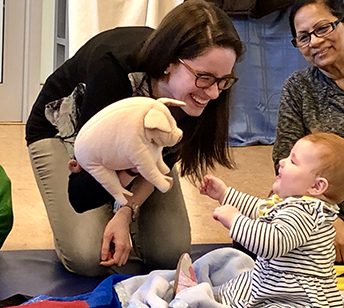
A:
(330, 149)
(314, 167)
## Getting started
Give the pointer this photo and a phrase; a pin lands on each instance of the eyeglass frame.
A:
(216, 79)
(333, 24)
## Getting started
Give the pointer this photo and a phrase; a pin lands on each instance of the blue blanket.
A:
(102, 296)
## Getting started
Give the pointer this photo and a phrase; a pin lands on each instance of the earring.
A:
(165, 72)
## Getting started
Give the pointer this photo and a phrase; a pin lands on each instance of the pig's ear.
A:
(170, 102)
(157, 119)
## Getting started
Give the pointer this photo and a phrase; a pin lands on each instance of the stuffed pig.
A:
(128, 134)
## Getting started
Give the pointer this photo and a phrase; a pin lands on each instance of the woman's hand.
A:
(226, 215)
(116, 244)
(339, 240)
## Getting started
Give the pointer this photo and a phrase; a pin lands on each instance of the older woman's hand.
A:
(339, 240)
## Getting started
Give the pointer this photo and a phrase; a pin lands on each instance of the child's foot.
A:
(185, 274)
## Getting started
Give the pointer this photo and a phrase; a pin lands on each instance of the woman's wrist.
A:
(131, 173)
(127, 212)
(133, 208)
(126, 177)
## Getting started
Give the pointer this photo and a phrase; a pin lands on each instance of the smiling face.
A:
(179, 82)
(297, 173)
(324, 52)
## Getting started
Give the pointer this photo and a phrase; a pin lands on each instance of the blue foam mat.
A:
(35, 272)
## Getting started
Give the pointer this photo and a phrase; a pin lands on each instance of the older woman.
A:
(313, 99)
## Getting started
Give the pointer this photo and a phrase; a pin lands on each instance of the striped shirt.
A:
(293, 241)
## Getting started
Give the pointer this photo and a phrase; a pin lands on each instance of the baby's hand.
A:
(226, 215)
(213, 187)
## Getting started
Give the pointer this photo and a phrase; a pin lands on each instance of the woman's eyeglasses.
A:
(207, 80)
(303, 39)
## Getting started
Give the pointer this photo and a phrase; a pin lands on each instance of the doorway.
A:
(21, 50)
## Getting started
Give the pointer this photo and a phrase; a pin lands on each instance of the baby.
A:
(291, 233)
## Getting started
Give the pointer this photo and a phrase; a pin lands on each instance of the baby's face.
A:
(296, 174)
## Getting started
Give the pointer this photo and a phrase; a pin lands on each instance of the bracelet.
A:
(134, 210)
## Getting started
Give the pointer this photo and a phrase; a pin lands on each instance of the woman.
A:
(189, 57)
(313, 99)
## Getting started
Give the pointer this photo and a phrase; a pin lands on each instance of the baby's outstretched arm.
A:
(213, 187)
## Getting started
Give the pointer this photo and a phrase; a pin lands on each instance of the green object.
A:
(6, 213)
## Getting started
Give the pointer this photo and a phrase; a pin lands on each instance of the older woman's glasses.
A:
(303, 39)
(207, 80)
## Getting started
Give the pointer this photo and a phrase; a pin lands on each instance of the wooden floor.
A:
(31, 227)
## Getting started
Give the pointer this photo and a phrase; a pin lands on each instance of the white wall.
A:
(47, 47)
(89, 17)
